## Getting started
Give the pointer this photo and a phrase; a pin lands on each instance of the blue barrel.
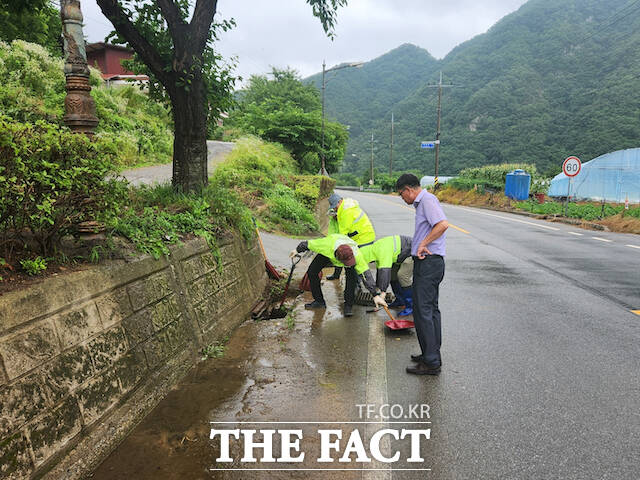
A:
(517, 185)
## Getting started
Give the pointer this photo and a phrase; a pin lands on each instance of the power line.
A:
(612, 20)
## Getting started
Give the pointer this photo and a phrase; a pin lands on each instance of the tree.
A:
(175, 39)
(287, 111)
(36, 21)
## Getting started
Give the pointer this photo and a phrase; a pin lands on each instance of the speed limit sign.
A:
(571, 166)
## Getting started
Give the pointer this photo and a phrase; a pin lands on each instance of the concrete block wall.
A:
(84, 356)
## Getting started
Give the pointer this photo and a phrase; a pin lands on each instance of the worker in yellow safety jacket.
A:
(341, 251)
(347, 218)
(389, 253)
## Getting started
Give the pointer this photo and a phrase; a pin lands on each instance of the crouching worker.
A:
(347, 218)
(340, 251)
(389, 253)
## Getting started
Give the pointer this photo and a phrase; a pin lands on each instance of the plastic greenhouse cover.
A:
(612, 177)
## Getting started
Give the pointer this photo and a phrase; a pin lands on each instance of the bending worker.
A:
(388, 253)
(347, 218)
(340, 251)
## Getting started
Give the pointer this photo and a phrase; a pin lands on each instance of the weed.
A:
(213, 350)
(291, 321)
(35, 266)
(94, 255)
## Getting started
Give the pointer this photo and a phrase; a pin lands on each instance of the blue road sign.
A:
(428, 145)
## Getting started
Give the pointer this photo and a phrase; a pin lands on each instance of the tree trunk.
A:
(190, 141)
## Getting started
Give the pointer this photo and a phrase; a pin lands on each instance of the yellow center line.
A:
(411, 208)
(637, 312)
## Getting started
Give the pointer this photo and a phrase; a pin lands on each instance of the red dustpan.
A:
(397, 323)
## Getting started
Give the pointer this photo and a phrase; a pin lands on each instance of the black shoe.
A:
(418, 358)
(423, 369)
(348, 310)
(333, 277)
(315, 304)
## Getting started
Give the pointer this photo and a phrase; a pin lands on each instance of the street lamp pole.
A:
(79, 106)
(323, 169)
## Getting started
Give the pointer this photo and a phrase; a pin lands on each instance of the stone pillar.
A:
(79, 107)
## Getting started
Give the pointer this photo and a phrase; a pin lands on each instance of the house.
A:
(107, 58)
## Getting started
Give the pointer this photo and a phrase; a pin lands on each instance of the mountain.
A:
(378, 85)
(553, 79)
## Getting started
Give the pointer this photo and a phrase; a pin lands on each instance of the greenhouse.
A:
(613, 177)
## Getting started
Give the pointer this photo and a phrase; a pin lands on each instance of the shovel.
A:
(271, 270)
(396, 323)
(279, 312)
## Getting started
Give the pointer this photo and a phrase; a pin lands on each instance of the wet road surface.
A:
(539, 379)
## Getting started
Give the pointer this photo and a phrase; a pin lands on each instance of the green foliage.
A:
(216, 73)
(286, 111)
(254, 166)
(133, 128)
(34, 266)
(584, 211)
(36, 21)
(213, 350)
(347, 179)
(466, 184)
(50, 180)
(285, 210)
(307, 190)
(496, 174)
(156, 217)
(265, 173)
(633, 212)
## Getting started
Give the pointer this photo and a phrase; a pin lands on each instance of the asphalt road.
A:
(540, 349)
(216, 153)
(539, 380)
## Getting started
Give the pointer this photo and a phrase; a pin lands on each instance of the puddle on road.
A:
(314, 372)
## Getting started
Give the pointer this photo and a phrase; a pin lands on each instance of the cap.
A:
(344, 253)
(334, 200)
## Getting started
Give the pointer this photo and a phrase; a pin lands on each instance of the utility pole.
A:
(391, 151)
(437, 142)
(371, 171)
(323, 169)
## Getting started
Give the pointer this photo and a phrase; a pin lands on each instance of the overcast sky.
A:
(284, 33)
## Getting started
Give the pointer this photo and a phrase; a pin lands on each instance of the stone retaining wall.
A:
(84, 356)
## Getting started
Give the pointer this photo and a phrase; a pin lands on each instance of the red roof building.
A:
(108, 59)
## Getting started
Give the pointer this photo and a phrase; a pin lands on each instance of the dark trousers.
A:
(316, 266)
(427, 275)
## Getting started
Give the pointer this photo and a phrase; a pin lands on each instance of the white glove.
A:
(293, 253)
(379, 301)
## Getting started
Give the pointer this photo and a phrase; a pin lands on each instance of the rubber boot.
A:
(407, 293)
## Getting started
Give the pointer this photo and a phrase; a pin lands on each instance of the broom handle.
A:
(386, 309)
(264, 254)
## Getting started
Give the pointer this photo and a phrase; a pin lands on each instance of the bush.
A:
(138, 129)
(287, 211)
(466, 184)
(264, 173)
(347, 179)
(156, 217)
(497, 174)
(50, 180)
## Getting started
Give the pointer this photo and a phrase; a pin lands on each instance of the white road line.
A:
(633, 246)
(514, 220)
(602, 239)
(576, 233)
(377, 393)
